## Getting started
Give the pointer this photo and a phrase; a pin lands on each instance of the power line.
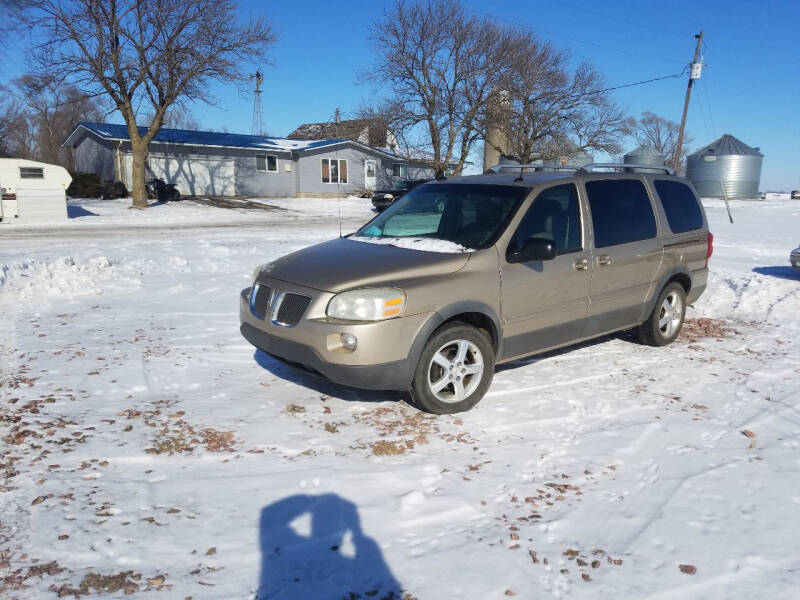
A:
(603, 15)
(703, 111)
(706, 87)
(572, 39)
(627, 85)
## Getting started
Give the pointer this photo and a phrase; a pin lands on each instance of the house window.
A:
(267, 162)
(31, 173)
(399, 170)
(334, 170)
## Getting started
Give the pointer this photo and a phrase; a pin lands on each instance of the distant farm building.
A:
(372, 132)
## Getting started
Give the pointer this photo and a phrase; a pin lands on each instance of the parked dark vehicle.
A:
(158, 189)
(795, 194)
(85, 185)
(113, 189)
(381, 199)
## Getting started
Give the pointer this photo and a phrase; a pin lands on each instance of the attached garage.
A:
(192, 175)
(32, 191)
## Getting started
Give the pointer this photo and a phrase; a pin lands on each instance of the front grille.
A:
(259, 299)
(292, 309)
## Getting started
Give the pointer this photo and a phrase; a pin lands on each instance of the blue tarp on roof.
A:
(111, 131)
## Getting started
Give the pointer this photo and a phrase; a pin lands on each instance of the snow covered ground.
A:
(148, 449)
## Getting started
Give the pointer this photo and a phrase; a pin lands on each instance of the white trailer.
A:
(32, 191)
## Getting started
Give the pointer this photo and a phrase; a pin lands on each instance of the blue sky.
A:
(750, 88)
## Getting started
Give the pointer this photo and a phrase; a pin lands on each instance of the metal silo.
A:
(578, 159)
(729, 162)
(644, 155)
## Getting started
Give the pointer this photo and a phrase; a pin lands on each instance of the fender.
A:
(650, 302)
(442, 315)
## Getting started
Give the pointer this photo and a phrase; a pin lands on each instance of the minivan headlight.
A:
(368, 304)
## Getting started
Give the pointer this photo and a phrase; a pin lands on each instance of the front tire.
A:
(454, 371)
(666, 320)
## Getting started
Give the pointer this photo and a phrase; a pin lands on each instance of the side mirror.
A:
(531, 249)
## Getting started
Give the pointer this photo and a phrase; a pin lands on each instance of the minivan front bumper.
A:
(385, 376)
(382, 359)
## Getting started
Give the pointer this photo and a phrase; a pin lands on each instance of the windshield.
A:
(472, 216)
(399, 185)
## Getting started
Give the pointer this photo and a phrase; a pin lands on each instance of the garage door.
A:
(196, 176)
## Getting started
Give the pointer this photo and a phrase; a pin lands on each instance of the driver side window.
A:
(555, 215)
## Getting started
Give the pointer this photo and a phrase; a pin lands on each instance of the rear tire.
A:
(454, 371)
(666, 320)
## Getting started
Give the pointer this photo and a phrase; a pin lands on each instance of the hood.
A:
(344, 264)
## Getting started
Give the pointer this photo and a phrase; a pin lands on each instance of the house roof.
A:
(214, 139)
(352, 129)
(725, 145)
(115, 132)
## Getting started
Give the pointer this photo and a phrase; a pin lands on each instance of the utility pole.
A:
(694, 73)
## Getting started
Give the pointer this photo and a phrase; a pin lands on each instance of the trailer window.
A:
(31, 173)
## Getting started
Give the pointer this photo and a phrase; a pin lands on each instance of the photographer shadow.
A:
(314, 547)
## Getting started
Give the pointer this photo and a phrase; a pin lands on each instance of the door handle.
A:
(604, 260)
(581, 264)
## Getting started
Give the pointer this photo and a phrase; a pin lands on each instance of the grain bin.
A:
(644, 155)
(578, 159)
(729, 162)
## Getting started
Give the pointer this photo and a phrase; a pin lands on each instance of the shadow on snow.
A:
(314, 547)
(75, 211)
(779, 272)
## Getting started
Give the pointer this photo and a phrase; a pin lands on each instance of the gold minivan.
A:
(463, 274)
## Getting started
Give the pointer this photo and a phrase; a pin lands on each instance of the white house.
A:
(228, 164)
(32, 191)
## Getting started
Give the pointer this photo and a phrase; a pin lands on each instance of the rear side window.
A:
(680, 205)
(621, 212)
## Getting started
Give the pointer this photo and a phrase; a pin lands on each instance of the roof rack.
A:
(592, 167)
(503, 167)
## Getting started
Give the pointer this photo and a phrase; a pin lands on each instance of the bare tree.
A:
(17, 135)
(661, 134)
(439, 66)
(8, 13)
(553, 110)
(8, 114)
(145, 52)
(176, 117)
(53, 108)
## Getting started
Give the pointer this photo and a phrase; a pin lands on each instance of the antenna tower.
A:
(257, 126)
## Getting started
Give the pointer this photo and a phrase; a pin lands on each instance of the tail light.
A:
(710, 246)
